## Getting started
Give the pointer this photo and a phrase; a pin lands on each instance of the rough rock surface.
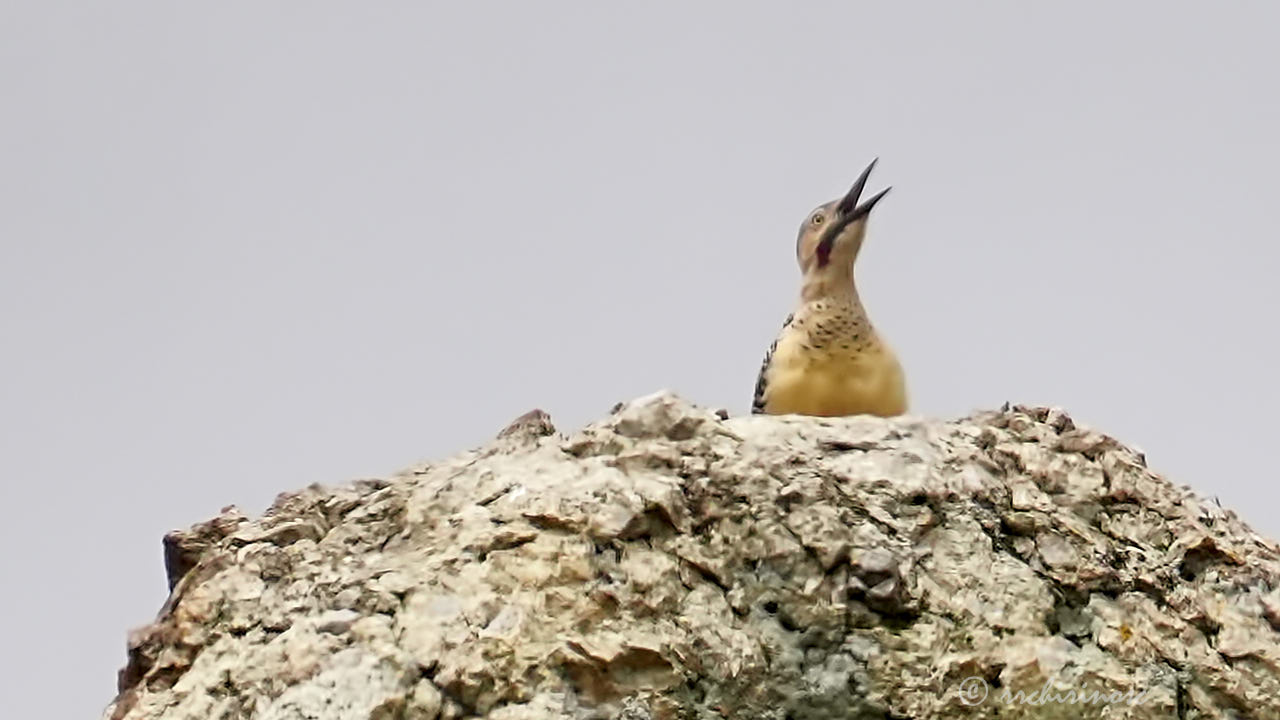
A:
(668, 563)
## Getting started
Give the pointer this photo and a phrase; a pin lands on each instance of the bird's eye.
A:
(817, 219)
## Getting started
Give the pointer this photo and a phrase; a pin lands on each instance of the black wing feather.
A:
(757, 403)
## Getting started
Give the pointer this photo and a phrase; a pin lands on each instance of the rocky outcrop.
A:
(669, 563)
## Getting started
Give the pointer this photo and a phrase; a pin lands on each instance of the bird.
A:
(828, 359)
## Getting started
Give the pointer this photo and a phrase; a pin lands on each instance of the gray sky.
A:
(248, 246)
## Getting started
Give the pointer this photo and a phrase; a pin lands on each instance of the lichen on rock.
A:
(666, 562)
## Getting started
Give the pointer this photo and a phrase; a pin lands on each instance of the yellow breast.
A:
(831, 382)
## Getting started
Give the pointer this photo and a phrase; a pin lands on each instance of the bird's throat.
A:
(830, 283)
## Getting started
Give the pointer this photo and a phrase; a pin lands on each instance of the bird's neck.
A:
(830, 286)
(832, 318)
(827, 298)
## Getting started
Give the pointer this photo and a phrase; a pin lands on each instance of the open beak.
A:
(848, 211)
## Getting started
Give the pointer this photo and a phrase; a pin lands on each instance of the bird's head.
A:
(831, 235)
